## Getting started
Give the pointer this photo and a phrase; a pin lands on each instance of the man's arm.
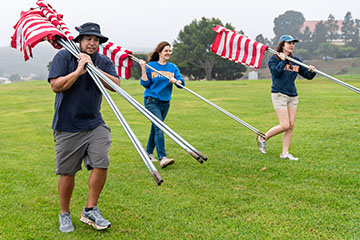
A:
(63, 83)
(112, 78)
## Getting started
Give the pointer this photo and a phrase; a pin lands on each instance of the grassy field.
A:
(227, 197)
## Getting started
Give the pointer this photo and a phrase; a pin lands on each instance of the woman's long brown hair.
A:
(154, 56)
(279, 49)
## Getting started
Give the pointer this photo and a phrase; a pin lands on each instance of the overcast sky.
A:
(140, 24)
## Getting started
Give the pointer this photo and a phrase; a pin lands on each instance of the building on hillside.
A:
(4, 80)
(312, 25)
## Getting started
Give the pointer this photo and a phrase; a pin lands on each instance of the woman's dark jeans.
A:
(156, 138)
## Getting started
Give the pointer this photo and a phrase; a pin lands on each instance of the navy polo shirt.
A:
(78, 108)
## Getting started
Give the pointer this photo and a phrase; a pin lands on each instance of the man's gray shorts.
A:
(71, 148)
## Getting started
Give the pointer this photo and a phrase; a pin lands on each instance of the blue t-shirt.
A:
(78, 108)
(157, 86)
(284, 73)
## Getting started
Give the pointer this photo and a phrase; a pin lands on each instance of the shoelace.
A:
(97, 213)
(290, 156)
(66, 220)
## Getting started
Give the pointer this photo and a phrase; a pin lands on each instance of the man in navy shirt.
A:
(80, 133)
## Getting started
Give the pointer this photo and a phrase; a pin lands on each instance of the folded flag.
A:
(238, 48)
(32, 28)
(55, 18)
(120, 56)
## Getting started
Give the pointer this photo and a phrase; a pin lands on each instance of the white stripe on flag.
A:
(227, 46)
(221, 45)
(250, 52)
(235, 44)
(242, 53)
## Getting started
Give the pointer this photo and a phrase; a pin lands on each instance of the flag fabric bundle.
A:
(44, 23)
(54, 17)
(238, 48)
(120, 56)
(32, 28)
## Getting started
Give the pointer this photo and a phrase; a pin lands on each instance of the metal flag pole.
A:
(172, 134)
(348, 86)
(74, 51)
(207, 101)
(160, 124)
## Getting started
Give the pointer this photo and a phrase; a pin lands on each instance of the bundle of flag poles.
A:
(207, 101)
(238, 48)
(43, 23)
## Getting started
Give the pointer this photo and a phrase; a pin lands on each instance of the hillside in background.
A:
(12, 61)
(339, 66)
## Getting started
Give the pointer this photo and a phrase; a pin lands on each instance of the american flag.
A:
(32, 28)
(238, 48)
(44, 23)
(120, 56)
(55, 18)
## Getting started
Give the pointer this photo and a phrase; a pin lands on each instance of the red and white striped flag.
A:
(55, 18)
(32, 28)
(238, 48)
(120, 56)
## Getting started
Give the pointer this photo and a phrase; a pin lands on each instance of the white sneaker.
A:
(261, 144)
(289, 156)
(164, 162)
(152, 158)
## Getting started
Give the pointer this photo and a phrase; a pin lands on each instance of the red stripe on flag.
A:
(254, 54)
(246, 50)
(215, 45)
(238, 48)
(231, 45)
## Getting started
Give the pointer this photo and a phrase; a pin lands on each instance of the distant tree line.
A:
(320, 42)
(191, 53)
(191, 49)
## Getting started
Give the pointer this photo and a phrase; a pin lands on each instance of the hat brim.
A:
(291, 40)
(103, 39)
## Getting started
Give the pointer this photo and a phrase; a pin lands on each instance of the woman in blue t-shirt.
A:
(157, 95)
(283, 93)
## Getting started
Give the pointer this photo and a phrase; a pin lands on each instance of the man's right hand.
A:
(82, 61)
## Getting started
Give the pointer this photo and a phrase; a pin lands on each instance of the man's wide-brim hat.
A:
(91, 29)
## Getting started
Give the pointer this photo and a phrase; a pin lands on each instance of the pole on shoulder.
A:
(348, 86)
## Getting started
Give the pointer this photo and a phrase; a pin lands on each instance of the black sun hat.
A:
(90, 28)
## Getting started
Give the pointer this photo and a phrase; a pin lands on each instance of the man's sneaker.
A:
(152, 158)
(261, 142)
(65, 222)
(94, 218)
(164, 162)
(288, 156)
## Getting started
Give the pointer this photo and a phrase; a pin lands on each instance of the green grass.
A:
(227, 197)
